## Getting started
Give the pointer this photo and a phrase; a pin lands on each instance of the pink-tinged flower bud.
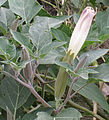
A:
(78, 38)
(81, 30)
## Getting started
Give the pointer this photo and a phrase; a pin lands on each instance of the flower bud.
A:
(77, 40)
(81, 30)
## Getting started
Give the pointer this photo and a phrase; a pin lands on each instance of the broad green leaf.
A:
(75, 2)
(46, 49)
(93, 34)
(2, 2)
(60, 35)
(37, 114)
(69, 114)
(27, 9)
(44, 116)
(12, 94)
(104, 33)
(92, 92)
(105, 2)
(6, 16)
(60, 18)
(52, 56)
(65, 65)
(40, 30)
(30, 101)
(83, 72)
(20, 65)
(66, 29)
(93, 55)
(21, 39)
(102, 21)
(103, 72)
(7, 49)
(31, 116)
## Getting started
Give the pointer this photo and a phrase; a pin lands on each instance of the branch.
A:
(85, 109)
(29, 85)
(49, 3)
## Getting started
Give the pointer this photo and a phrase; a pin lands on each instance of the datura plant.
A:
(40, 68)
(78, 38)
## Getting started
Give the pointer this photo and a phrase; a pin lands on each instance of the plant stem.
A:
(57, 6)
(82, 7)
(68, 98)
(49, 3)
(48, 77)
(34, 108)
(46, 83)
(64, 6)
(85, 109)
(74, 79)
(17, 79)
(22, 78)
(76, 105)
(39, 97)
(29, 85)
(91, 107)
(78, 90)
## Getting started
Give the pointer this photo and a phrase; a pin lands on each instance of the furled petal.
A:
(81, 30)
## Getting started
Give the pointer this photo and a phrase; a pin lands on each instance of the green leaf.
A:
(7, 49)
(92, 92)
(92, 36)
(44, 116)
(47, 48)
(36, 115)
(60, 35)
(69, 114)
(66, 29)
(102, 23)
(103, 72)
(102, 19)
(27, 9)
(93, 33)
(2, 2)
(75, 2)
(105, 2)
(93, 55)
(83, 72)
(12, 94)
(40, 30)
(6, 16)
(104, 33)
(52, 56)
(21, 39)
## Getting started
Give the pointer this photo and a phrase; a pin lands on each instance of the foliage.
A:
(26, 25)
